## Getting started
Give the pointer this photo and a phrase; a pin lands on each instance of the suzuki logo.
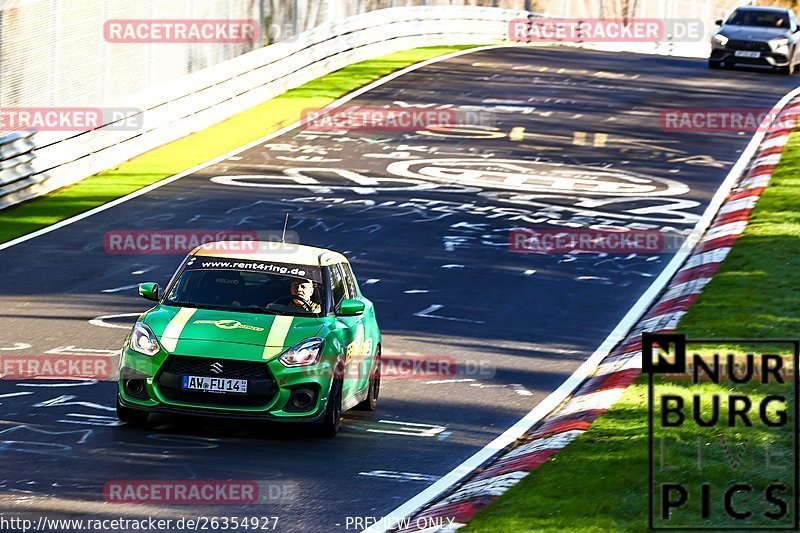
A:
(217, 368)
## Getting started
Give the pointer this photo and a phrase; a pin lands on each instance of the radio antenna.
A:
(285, 222)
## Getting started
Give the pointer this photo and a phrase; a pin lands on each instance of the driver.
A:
(302, 291)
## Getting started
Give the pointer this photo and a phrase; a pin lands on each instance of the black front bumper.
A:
(765, 58)
(221, 415)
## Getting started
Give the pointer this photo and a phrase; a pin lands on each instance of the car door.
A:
(348, 328)
(366, 338)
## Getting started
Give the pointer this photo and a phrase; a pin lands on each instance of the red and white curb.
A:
(623, 364)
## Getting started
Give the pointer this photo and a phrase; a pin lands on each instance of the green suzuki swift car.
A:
(277, 332)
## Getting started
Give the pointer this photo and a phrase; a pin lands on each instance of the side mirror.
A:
(718, 22)
(351, 308)
(149, 291)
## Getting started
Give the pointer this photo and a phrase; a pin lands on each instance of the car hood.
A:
(753, 33)
(184, 330)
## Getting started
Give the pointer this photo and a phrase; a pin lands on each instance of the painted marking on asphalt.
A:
(517, 387)
(529, 272)
(66, 399)
(24, 427)
(186, 442)
(44, 448)
(416, 291)
(12, 394)
(74, 350)
(371, 281)
(93, 420)
(58, 384)
(426, 313)
(143, 271)
(16, 346)
(409, 429)
(101, 321)
(119, 289)
(400, 476)
(602, 281)
(452, 266)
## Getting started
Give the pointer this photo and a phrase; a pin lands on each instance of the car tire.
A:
(333, 412)
(130, 416)
(788, 70)
(714, 64)
(374, 387)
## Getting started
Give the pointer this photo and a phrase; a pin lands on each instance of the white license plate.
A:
(236, 386)
(745, 53)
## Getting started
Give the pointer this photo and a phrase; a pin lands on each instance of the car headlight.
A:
(721, 39)
(779, 43)
(144, 341)
(303, 353)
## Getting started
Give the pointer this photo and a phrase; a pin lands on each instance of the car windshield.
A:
(761, 19)
(249, 286)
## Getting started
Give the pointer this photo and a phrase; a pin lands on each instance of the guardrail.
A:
(35, 163)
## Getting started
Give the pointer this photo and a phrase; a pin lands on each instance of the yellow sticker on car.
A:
(172, 333)
(277, 336)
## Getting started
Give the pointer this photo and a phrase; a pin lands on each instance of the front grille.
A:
(261, 386)
(755, 46)
(201, 366)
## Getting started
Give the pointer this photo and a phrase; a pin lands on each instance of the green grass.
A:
(599, 482)
(197, 148)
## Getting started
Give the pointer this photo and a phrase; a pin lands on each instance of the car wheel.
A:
(131, 416)
(333, 412)
(713, 64)
(374, 387)
(788, 70)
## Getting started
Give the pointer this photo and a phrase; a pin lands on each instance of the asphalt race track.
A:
(561, 137)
